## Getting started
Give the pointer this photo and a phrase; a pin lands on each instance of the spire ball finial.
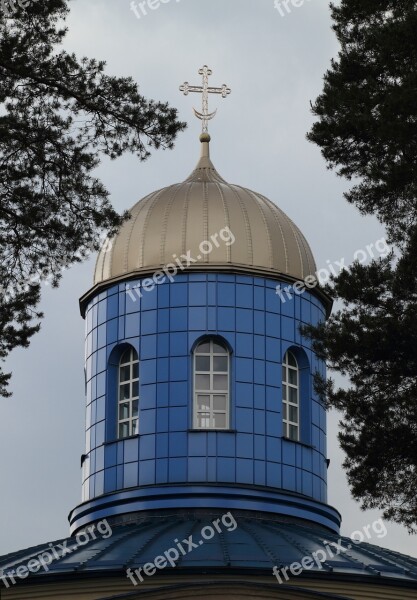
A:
(205, 137)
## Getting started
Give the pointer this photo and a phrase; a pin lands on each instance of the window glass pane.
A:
(293, 433)
(292, 395)
(204, 348)
(135, 389)
(124, 411)
(123, 430)
(284, 374)
(203, 402)
(135, 408)
(124, 391)
(135, 369)
(219, 421)
(125, 373)
(284, 411)
(292, 376)
(135, 426)
(293, 414)
(220, 363)
(203, 420)
(284, 430)
(219, 402)
(219, 349)
(220, 382)
(284, 392)
(202, 363)
(126, 356)
(291, 360)
(202, 382)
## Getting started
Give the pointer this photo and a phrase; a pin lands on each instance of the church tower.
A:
(205, 468)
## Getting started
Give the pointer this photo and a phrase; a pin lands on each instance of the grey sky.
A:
(274, 66)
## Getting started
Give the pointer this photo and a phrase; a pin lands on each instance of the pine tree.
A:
(58, 116)
(367, 130)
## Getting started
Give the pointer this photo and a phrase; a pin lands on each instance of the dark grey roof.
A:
(259, 543)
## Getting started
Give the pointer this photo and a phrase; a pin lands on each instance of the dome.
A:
(243, 231)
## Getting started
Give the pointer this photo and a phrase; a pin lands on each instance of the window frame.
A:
(287, 424)
(132, 420)
(211, 391)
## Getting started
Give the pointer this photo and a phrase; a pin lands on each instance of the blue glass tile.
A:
(178, 444)
(110, 480)
(161, 470)
(149, 322)
(244, 296)
(273, 449)
(226, 444)
(149, 298)
(179, 293)
(147, 447)
(259, 422)
(226, 319)
(178, 418)
(244, 345)
(163, 344)
(163, 369)
(110, 455)
(179, 319)
(163, 319)
(179, 369)
(177, 470)
(197, 444)
(131, 450)
(148, 396)
(259, 371)
(148, 371)
(244, 395)
(162, 420)
(259, 322)
(226, 468)
(132, 325)
(162, 445)
(179, 344)
(244, 470)
(197, 469)
(163, 296)
(147, 472)
(226, 294)
(102, 312)
(147, 422)
(244, 369)
(148, 347)
(259, 446)
(244, 445)
(260, 472)
(197, 294)
(288, 478)
(244, 420)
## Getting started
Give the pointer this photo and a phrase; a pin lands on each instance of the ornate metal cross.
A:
(205, 89)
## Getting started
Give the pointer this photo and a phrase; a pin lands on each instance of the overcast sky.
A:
(274, 65)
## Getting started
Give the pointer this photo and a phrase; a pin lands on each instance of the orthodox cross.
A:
(205, 116)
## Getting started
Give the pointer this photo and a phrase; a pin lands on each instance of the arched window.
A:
(128, 405)
(290, 397)
(211, 385)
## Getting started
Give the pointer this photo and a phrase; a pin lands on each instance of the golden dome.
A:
(174, 223)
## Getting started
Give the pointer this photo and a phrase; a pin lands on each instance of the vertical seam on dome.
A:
(294, 232)
(246, 220)
(226, 212)
(142, 204)
(149, 202)
(165, 221)
(205, 217)
(273, 208)
(185, 218)
(310, 260)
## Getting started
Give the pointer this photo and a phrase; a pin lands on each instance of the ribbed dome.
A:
(175, 221)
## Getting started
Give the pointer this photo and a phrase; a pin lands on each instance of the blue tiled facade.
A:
(163, 326)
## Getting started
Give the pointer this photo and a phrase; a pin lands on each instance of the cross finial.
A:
(205, 89)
